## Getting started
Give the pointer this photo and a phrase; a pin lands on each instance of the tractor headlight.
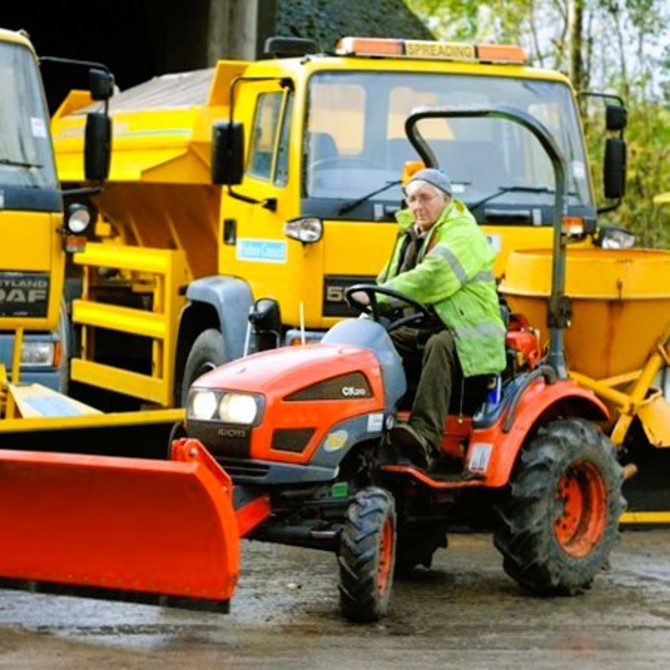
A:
(202, 405)
(226, 406)
(238, 408)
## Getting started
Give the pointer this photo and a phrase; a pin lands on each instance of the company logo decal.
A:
(261, 251)
(354, 392)
(232, 432)
(24, 294)
(336, 441)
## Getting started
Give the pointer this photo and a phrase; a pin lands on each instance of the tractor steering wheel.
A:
(371, 290)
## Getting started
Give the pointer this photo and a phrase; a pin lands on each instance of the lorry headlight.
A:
(238, 408)
(202, 405)
(613, 237)
(42, 354)
(306, 229)
(78, 218)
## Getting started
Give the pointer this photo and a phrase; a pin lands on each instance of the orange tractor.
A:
(290, 446)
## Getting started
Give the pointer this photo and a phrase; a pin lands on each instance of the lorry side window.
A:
(281, 172)
(264, 132)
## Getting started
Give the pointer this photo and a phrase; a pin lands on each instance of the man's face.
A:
(426, 203)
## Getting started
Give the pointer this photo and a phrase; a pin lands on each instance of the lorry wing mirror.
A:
(227, 153)
(614, 168)
(616, 117)
(97, 146)
(101, 84)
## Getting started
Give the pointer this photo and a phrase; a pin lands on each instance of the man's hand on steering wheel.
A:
(360, 297)
(363, 298)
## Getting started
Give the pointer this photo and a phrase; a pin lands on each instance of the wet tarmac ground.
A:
(463, 613)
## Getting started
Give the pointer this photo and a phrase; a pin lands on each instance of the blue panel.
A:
(52, 406)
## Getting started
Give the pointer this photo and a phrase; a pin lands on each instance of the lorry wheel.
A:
(367, 554)
(561, 515)
(206, 354)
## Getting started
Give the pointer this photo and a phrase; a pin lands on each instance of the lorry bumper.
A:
(162, 532)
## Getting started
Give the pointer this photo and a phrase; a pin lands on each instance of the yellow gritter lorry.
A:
(38, 231)
(42, 225)
(183, 259)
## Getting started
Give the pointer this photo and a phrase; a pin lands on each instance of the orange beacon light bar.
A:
(454, 51)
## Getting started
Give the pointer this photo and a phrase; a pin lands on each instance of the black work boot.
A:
(411, 445)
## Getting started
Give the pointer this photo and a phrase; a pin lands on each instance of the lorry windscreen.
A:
(26, 154)
(355, 141)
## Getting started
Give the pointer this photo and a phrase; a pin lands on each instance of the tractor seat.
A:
(467, 395)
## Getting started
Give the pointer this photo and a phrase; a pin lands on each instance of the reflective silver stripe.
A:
(483, 276)
(454, 263)
(457, 268)
(483, 329)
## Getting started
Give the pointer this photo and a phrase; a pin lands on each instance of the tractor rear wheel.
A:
(367, 555)
(561, 515)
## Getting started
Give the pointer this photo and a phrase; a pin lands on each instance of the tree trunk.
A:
(576, 28)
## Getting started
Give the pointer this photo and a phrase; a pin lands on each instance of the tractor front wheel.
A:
(561, 514)
(367, 555)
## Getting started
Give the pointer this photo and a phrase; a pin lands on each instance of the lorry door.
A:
(253, 243)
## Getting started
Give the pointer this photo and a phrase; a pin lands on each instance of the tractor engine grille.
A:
(222, 439)
(238, 468)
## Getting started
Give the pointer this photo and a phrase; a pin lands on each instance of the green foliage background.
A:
(613, 46)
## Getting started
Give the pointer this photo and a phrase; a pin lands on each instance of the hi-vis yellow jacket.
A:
(454, 275)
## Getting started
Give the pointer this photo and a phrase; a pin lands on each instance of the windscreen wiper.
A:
(515, 189)
(348, 206)
(7, 161)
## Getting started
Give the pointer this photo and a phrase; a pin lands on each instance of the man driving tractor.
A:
(443, 260)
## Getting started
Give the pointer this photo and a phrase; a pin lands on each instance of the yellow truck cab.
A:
(34, 227)
(31, 216)
(306, 157)
(326, 146)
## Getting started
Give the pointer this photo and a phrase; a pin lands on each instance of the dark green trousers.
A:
(431, 365)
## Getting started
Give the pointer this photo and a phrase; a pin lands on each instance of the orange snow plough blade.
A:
(133, 529)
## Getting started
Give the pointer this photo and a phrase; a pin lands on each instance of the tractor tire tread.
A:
(360, 597)
(524, 535)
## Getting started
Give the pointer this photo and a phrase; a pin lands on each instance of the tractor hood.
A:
(281, 373)
(352, 345)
